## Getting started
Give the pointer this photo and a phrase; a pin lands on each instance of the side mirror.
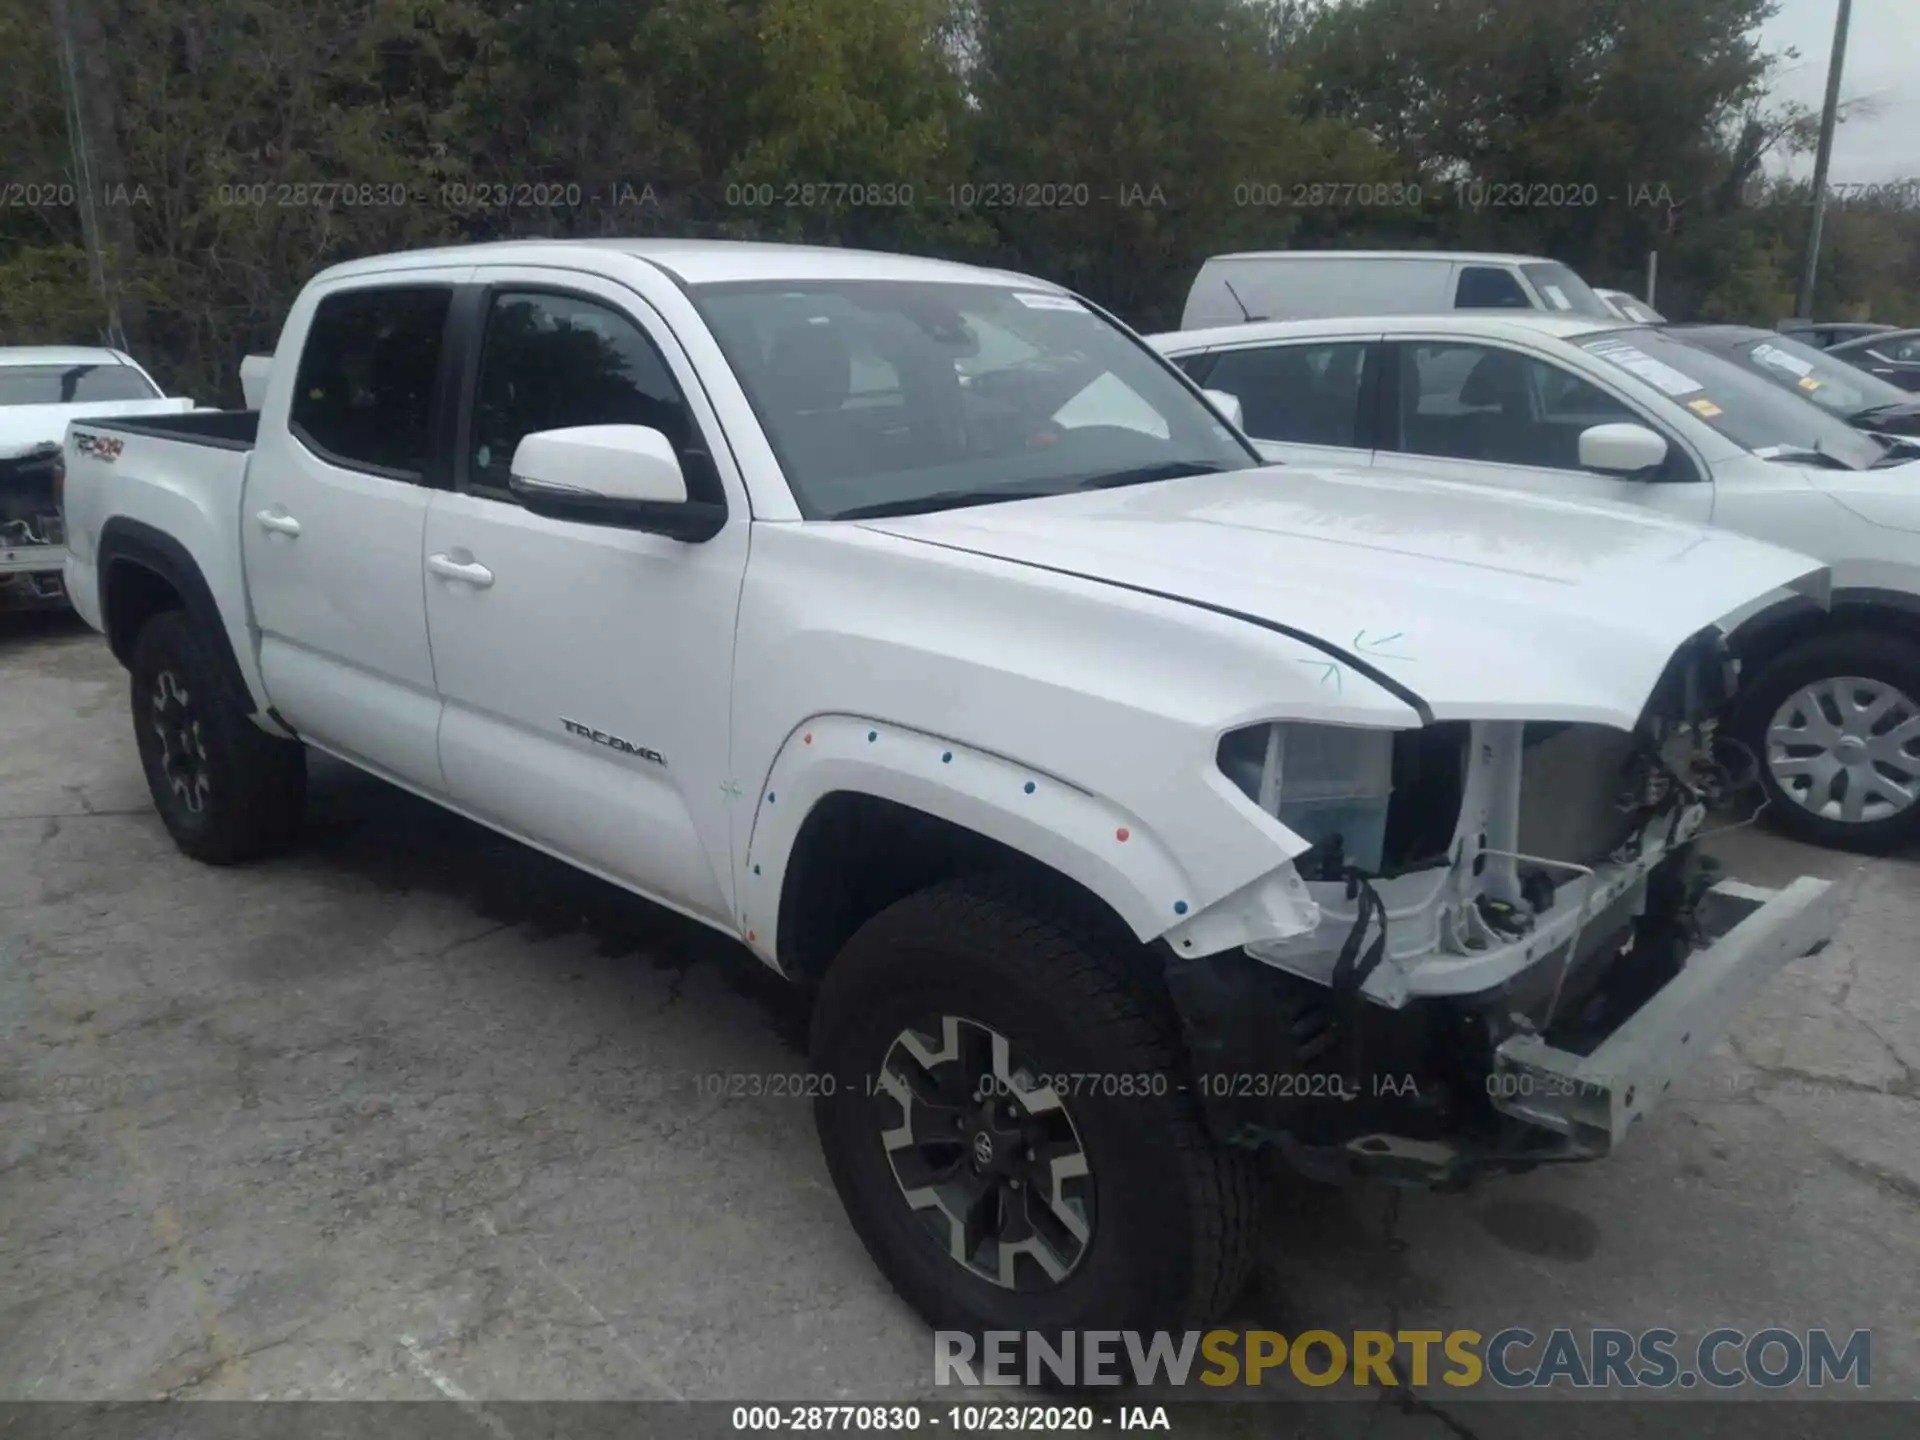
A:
(622, 475)
(1621, 449)
(1227, 404)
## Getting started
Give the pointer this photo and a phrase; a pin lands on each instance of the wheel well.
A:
(857, 854)
(1777, 631)
(134, 594)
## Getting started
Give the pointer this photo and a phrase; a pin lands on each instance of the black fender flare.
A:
(124, 543)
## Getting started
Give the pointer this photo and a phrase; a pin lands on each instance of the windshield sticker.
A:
(1807, 382)
(1655, 372)
(1704, 408)
(1047, 302)
(1781, 360)
(1558, 297)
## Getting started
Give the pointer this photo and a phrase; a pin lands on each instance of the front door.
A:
(586, 669)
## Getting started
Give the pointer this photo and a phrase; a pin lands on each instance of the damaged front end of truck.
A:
(1513, 962)
(33, 542)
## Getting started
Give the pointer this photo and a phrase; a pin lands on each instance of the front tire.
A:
(990, 1199)
(1834, 724)
(226, 790)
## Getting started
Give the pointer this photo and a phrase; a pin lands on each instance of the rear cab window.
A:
(363, 397)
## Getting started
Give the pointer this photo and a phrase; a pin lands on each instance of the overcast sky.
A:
(1883, 65)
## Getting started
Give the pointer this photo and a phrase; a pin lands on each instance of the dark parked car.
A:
(1824, 334)
(1861, 398)
(1893, 355)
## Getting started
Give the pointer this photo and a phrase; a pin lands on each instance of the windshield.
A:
(1831, 384)
(72, 384)
(1757, 415)
(1564, 293)
(901, 396)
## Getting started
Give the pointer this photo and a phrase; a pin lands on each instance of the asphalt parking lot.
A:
(415, 1112)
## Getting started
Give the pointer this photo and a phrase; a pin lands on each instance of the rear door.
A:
(586, 669)
(333, 514)
(1490, 414)
(1306, 402)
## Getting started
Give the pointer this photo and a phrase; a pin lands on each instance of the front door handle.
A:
(278, 521)
(468, 572)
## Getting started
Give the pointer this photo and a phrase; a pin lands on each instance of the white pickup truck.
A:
(1133, 806)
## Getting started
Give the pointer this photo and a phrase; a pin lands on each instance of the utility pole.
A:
(85, 188)
(92, 93)
(1822, 156)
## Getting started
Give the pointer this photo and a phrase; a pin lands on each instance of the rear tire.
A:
(226, 790)
(1831, 766)
(1170, 1220)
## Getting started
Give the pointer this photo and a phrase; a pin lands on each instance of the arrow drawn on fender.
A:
(1372, 647)
(1329, 671)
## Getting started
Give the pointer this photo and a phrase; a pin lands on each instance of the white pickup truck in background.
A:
(1132, 806)
(42, 387)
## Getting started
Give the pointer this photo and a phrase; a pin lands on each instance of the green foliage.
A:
(236, 146)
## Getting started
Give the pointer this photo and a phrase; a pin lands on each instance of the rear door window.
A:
(364, 395)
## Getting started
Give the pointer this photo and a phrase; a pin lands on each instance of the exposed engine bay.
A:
(1533, 884)
(1509, 843)
(32, 536)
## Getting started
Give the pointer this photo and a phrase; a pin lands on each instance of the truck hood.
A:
(22, 427)
(1476, 603)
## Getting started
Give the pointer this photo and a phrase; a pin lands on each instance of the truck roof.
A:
(699, 262)
(60, 355)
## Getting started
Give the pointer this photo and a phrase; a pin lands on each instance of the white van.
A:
(1322, 284)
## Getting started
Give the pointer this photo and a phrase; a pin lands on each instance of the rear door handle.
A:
(466, 571)
(279, 522)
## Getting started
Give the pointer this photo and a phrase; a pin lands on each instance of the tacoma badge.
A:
(612, 742)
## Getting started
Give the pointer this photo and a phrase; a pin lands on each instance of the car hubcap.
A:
(1847, 749)
(183, 753)
(987, 1157)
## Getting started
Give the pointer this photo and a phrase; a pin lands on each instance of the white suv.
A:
(1585, 409)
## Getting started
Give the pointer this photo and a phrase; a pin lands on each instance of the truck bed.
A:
(226, 429)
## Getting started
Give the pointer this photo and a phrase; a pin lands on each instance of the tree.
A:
(1119, 144)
